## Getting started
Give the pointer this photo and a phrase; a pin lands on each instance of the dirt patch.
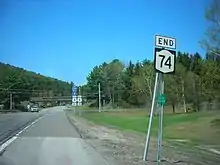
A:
(215, 122)
(126, 148)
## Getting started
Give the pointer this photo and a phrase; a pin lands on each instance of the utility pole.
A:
(79, 91)
(99, 99)
(11, 101)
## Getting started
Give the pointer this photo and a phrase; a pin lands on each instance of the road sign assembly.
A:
(164, 63)
(76, 99)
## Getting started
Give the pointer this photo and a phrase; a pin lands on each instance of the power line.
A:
(34, 90)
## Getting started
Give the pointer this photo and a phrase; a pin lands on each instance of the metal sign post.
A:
(150, 120)
(161, 101)
(99, 98)
(164, 63)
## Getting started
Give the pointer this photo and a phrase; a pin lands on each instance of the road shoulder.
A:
(122, 147)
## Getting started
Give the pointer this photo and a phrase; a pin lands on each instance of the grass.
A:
(83, 107)
(201, 127)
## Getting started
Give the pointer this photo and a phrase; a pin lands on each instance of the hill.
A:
(25, 84)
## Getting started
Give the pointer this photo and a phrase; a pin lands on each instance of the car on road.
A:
(34, 108)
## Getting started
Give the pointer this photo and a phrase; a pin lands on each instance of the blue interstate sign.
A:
(74, 91)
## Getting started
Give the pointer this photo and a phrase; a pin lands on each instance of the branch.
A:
(215, 52)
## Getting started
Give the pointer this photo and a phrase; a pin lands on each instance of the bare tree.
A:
(211, 42)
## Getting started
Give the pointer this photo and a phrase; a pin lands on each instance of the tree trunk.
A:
(113, 98)
(110, 97)
(173, 106)
(103, 102)
(149, 88)
(195, 93)
(183, 95)
(199, 95)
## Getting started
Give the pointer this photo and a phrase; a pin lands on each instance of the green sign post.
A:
(162, 99)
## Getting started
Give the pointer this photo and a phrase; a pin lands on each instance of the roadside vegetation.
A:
(200, 128)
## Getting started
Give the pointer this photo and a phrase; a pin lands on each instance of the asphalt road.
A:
(12, 122)
(50, 140)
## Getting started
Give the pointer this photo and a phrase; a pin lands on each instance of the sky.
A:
(65, 39)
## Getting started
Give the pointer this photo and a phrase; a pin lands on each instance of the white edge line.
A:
(215, 151)
(9, 141)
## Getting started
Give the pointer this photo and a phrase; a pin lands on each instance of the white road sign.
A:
(165, 60)
(165, 42)
(74, 104)
(77, 100)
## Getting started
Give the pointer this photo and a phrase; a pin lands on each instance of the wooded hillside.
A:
(25, 84)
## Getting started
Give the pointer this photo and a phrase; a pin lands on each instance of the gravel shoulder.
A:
(126, 147)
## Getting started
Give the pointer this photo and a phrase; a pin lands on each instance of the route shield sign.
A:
(164, 60)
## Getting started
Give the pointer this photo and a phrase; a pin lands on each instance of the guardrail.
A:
(9, 111)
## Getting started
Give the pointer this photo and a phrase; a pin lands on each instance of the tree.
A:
(172, 91)
(210, 80)
(212, 35)
(143, 82)
(127, 76)
(113, 76)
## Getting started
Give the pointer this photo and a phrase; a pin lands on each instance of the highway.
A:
(12, 122)
(49, 139)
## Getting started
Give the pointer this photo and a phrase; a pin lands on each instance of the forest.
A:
(25, 84)
(195, 82)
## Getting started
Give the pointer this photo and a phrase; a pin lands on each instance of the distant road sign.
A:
(74, 91)
(77, 100)
(164, 60)
(74, 88)
(74, 99)
(165, 42)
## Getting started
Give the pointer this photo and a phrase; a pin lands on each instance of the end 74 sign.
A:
(165, 60)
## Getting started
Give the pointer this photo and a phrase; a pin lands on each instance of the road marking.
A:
(209, 149)
(214, 151)
(9, 141)
(29, 125)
